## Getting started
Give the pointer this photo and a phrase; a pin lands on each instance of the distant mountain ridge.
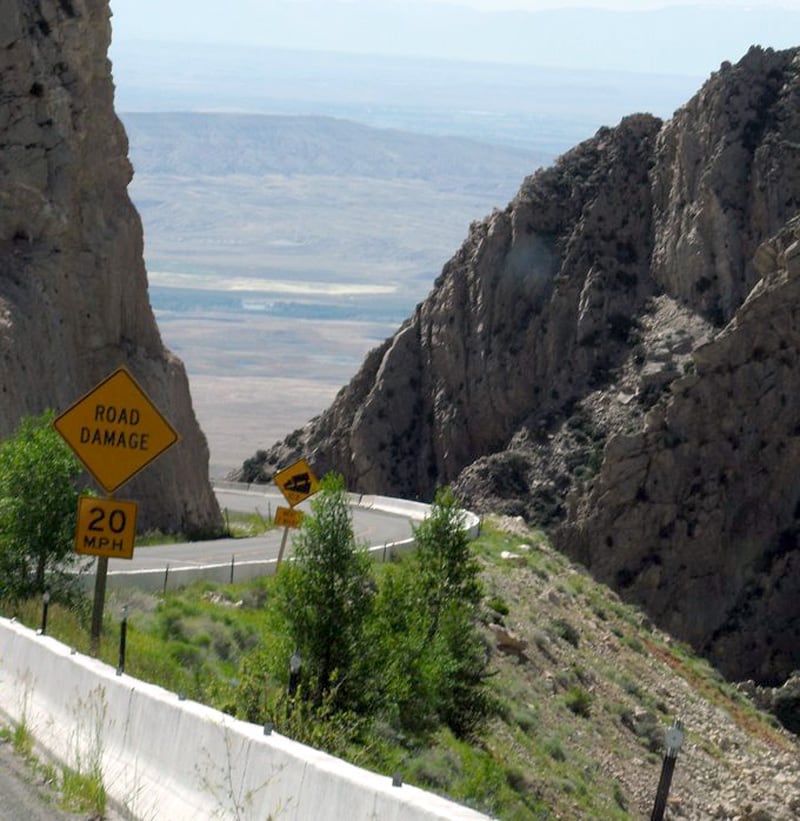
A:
(216, 144)
(617, 353)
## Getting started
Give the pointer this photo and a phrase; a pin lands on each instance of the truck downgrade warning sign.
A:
(297, 482)
(115, 430)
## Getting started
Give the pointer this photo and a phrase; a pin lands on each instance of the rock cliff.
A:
(73, 287)
(615, 354)
(697, 516)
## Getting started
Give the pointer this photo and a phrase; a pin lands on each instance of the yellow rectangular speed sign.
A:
(288, 517)
(106, 527)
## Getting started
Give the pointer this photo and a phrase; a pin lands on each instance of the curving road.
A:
(372, 527)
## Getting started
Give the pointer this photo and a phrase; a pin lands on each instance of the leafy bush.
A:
(425, 647)
(38, 502)
(498, 605)
(563, 629)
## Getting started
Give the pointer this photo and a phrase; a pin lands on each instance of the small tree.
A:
(325, 596)
(424, 638)
(38, 500)
(448, 572)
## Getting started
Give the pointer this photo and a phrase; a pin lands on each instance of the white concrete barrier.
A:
(173, 578)
(417, 511)
(163, 758)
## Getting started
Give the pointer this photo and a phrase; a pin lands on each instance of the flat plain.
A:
(256, 378)
(280, 250)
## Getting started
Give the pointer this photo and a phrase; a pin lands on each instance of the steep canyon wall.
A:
(73, 286)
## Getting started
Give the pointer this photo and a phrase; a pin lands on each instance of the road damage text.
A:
(113, 428)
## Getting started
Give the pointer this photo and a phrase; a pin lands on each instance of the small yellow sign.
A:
(288, 517)
(297, 482)
(115, 430)
(106, 527)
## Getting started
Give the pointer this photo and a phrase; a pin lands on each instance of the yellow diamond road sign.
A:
(297, 482)
(115, 430)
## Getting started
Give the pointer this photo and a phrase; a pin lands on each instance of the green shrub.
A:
(325, 597)
(563, 629)
(38, 505)
(579, 701)
(498, 605)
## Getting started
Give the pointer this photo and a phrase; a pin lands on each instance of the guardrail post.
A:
(45, 605)
(123, 635)
(673, 741)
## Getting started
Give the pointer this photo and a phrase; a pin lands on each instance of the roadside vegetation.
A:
(38, 502)
(66, 788)
(565, 718)
(494, 672)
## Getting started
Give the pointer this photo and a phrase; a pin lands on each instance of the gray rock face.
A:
(615, 353)
(73, 288)
(697, 517)
(553, 279)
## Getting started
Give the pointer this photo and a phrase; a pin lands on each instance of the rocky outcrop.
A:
(552, 279)
(73, 287)
(613, 354)
(697, 517)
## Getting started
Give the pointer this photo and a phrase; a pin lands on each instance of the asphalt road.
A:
(23, 796)
(372, 527)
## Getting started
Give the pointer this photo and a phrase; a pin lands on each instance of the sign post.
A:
(296, 482)
(116, 431)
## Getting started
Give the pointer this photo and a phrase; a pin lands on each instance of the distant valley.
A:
(281, 249)
(264, 233)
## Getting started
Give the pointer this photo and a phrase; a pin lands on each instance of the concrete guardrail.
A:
(163, 758)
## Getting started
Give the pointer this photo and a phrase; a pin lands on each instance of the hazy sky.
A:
(625, 5)
(692, 42)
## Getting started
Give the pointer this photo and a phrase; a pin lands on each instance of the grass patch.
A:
(22, 741)
(238, 525)
(244, 525)
(579, 701)
(83, 792)
(157, 537)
